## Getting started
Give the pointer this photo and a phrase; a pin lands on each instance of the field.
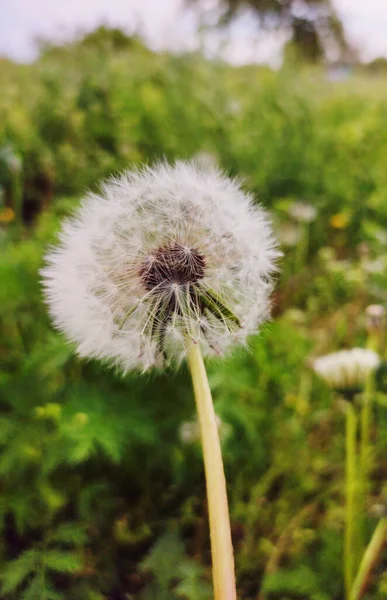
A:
(102, 493)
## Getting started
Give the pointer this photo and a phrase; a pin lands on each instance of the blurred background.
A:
(102, 493)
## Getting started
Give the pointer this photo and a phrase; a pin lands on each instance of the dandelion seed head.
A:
(302, 211)
(375, 318)
(347, 370)
(289, 234)
(161, 257)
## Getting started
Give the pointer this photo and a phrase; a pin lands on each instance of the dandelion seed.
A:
(347, 370)
(162, 256)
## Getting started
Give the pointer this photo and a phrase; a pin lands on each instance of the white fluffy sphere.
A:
(161, 257)
(347, 369)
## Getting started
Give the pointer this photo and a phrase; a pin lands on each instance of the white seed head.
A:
(377, 266)
(161, 257)
(289, 234)
(375, 318)
(347, 369)
(301, 211)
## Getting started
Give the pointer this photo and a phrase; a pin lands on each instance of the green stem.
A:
(221, 543)
(365, 456)
(370, 558)
(17, 195)
(303, 247)
(350, 466)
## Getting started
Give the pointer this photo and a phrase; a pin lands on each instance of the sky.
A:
(165, 24)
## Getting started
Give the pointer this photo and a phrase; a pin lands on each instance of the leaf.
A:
(192, 585)
(165, 557)
(70, 533)
(301, 581)
(17, 570)
(82, 450)
(39, 589)
(6, 429)
(168, 563)
(153, 591)
(62, 561)
(109, 423)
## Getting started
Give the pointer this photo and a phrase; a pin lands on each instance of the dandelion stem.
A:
(365, 453)
(349, 539)
(370, 557)
(17, 195)
(303, 247)
(221, 543)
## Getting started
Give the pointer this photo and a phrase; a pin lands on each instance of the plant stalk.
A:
(350, 524)
(220, 532)
(370, 558)
(365, 456)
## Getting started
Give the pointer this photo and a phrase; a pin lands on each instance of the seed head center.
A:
(171, 267)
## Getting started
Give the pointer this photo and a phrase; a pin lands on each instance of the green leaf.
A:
(192, 585)
(6, 429)
(301, 581)
(168, 563)
(165, 557)
(62, 561)
(70, 533)
(17, 570)
(40, 589)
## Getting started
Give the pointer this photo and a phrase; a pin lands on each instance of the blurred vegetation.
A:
(101, 498)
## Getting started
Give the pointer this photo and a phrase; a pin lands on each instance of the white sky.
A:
(165, 24)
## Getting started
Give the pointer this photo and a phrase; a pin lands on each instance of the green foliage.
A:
(99, 496)
(33, 570)
(174, 576)
(299, 583)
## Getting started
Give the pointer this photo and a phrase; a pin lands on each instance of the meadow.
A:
(102, 493)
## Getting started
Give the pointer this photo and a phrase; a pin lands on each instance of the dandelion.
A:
(303, 212)
(6, 215)
(163, 257)
(375, 318)
(347, 370)
(164, 263)
(289, 234)
(377, 266)
(339, 220)
(189, 432)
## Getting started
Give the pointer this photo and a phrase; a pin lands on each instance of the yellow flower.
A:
(339, 221)
(6, 215)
